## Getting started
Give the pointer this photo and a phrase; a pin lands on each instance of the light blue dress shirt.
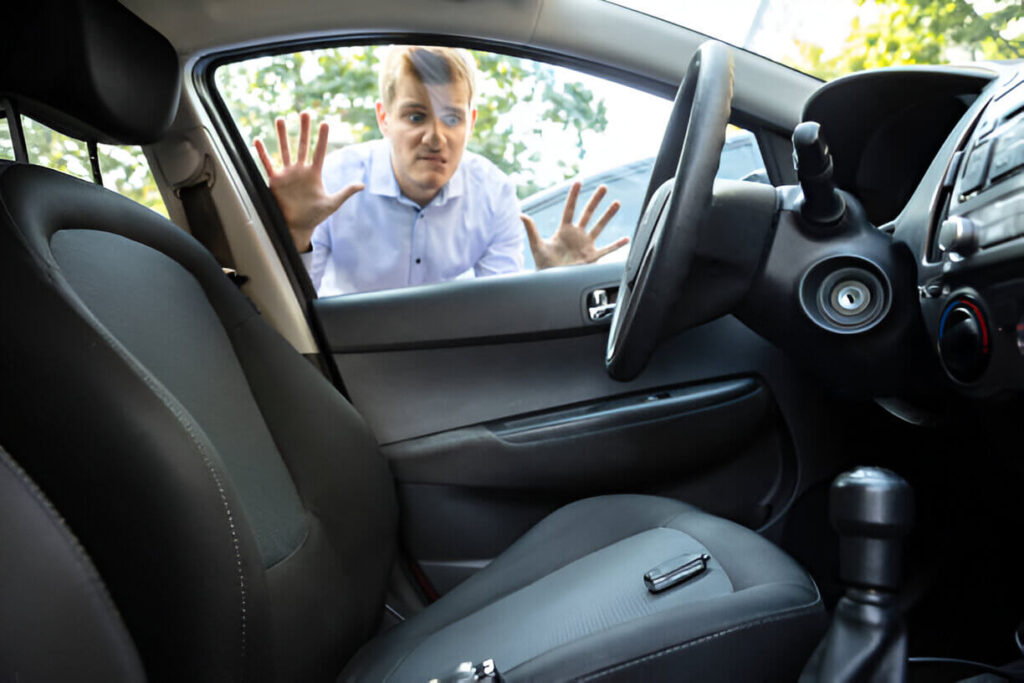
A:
(381, 239)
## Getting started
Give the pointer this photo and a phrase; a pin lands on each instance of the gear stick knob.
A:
(872, 509)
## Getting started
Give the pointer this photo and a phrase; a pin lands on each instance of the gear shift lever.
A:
(872, 510)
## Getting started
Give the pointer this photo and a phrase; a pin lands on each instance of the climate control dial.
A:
(964, 340)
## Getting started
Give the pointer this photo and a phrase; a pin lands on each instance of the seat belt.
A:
(204, 221)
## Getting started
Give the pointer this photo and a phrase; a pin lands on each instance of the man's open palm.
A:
(299, 187)
(572, 244)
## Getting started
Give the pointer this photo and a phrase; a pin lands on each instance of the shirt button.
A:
(417, 260)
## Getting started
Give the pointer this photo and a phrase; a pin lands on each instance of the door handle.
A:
(599, 304)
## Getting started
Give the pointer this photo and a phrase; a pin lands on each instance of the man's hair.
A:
(430, 65)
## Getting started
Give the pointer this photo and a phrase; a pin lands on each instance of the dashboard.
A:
(972, 267)
(936, 158)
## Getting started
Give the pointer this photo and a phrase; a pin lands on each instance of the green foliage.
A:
(339, 85)
(923, 32)
(124, 169)
(515, 99)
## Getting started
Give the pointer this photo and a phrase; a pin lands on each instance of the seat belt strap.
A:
(204, 221)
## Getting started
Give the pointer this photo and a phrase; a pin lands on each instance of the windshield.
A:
(829, 38)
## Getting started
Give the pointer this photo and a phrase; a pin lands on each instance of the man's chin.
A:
(432, 182)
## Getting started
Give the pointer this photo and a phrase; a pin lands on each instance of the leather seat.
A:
(58, 622)
(236, 504)
(567, 601)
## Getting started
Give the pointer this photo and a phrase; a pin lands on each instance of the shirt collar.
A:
(382, 179)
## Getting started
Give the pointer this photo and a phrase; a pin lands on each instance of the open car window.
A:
(541, 126)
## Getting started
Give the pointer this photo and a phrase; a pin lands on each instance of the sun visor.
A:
(90, 69)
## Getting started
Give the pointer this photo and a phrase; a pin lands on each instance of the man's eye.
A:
(452, 120)
(416, 118)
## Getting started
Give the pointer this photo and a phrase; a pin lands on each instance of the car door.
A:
(490, 399)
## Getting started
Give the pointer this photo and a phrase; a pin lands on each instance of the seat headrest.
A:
(89, 69)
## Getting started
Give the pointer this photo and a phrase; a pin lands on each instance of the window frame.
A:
(203, 79)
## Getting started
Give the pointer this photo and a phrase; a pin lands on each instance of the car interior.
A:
(789, 453)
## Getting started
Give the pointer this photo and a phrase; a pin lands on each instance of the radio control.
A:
(958, 235)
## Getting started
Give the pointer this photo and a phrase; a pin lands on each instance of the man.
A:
(422, 209)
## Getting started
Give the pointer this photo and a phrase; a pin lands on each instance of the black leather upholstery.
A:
(103, 399)
(57, 622)
(568, 601)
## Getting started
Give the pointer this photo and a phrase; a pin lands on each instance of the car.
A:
(741, 160)
(779, 438)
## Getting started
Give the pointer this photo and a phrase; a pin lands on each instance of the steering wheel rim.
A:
(678, 196)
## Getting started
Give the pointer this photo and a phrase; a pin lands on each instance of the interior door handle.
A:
(600, 305)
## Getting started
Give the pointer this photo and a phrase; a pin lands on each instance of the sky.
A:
(764, 26)
(768, 27)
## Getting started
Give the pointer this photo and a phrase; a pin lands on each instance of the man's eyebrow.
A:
(411, 104)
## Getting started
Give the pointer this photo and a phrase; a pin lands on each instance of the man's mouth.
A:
(432, 158)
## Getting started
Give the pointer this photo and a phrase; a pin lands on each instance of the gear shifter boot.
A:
(866, 642)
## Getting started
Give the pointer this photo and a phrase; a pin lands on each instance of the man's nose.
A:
(434, 135)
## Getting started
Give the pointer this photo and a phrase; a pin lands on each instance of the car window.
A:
(124, 168)
(6, 145)
(741, 160)
(541, 126)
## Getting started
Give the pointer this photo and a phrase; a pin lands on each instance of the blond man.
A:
(415, 207)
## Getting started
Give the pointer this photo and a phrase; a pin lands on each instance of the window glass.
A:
(6, 146)
(542, 126)
(124, 168)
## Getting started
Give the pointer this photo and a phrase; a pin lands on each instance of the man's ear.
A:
(382, 118)
(472, 119)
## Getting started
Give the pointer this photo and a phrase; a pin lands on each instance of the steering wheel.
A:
(674, 207)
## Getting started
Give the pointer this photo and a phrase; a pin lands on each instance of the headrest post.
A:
(10, 113)
(94, 161)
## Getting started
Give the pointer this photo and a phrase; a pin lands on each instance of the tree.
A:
(341, 85)
(923, 32)
(124, 169)
(518, 102)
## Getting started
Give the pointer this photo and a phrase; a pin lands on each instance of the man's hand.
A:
(299, 187)
(571, 244)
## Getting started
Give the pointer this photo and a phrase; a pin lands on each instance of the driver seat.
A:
(232, 500)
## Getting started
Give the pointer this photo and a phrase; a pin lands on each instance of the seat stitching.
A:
(424, 637)
(608, 544)
(183, 419)
(58, 280)
(85, 565)
(796, 612)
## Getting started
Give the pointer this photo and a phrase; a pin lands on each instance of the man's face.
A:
(428, 126)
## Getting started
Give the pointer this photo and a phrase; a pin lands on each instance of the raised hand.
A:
(571, 243)
(299, 187)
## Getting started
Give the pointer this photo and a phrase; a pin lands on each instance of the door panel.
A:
(491, 402)
(545, 304)
(429, 359)
(593, 446)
